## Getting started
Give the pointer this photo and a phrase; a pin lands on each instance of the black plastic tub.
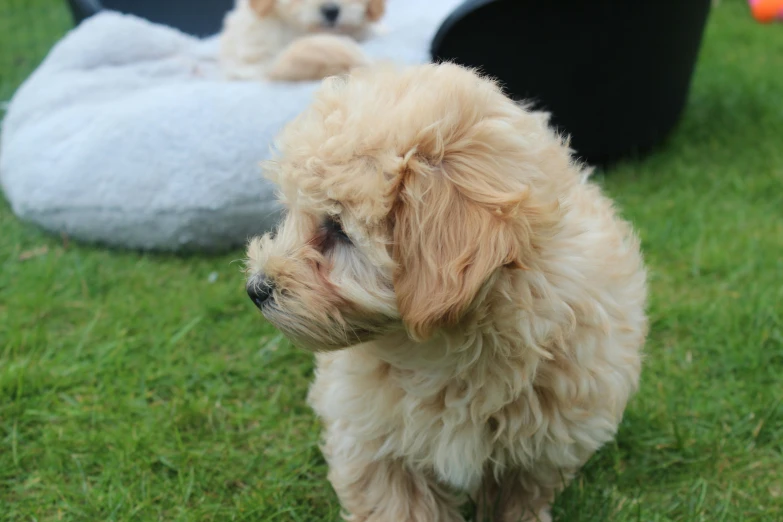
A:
(196, 17)
(615, 74)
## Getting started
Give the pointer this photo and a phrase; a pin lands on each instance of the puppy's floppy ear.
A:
(262, 7)
(375, 10)
(452, 232)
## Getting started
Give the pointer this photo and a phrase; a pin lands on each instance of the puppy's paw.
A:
(316, 57)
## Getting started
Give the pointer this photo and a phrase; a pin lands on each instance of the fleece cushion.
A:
(127, 135)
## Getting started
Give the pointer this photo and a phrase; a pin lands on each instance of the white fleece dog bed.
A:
(127, 135)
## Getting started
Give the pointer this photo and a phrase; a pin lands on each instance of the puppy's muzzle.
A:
(260, 290)
(330, 13)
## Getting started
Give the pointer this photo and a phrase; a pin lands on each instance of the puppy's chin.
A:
(338, 29)
(317, 336)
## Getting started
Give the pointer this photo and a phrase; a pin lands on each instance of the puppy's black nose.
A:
(260, 289)
(330, 12)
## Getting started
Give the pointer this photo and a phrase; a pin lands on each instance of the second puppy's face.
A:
(340, 16)
(410, 200)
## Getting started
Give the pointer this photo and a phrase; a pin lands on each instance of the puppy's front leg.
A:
(521, 496)
(384, 490)
(315, 57)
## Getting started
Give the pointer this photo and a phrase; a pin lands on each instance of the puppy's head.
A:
(412, 196)
(341, 16)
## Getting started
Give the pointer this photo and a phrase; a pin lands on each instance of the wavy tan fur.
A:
(481, 333)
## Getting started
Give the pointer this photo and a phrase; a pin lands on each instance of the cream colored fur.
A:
(286, 40)
(481, 332)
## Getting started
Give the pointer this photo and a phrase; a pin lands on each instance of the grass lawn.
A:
(139, 387)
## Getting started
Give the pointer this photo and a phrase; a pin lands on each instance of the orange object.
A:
(766, 11)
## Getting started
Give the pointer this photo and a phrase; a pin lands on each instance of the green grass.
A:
(27, 29)
(133, 388)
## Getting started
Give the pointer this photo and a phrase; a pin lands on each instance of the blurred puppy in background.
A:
(296, 40)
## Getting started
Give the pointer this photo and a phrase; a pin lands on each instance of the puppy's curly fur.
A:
(293, 40)
(477, 307)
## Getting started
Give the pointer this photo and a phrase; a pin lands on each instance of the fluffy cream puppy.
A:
(295, 40)
(477, 308)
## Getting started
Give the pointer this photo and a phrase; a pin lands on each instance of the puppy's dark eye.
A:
(335, 229)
